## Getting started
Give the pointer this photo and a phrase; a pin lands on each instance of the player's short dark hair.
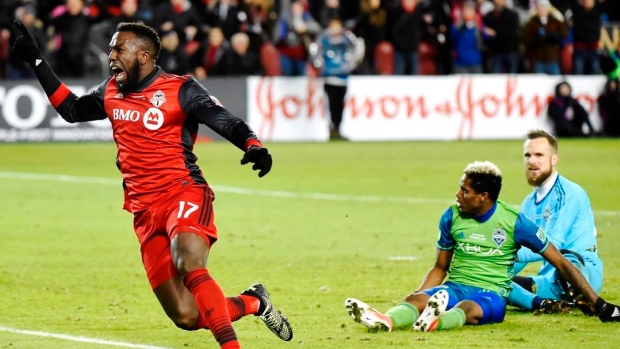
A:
(485, 177)
(143, 32)
(535, 134)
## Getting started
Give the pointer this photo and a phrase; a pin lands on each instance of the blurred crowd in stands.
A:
(273, 37)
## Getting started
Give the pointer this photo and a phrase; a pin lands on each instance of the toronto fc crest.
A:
(158, 99)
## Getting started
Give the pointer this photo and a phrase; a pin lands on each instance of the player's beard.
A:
(539, 180)
(133, 78)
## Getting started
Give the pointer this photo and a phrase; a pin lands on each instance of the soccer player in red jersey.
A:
(155, 118)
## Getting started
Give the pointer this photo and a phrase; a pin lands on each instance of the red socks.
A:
(241, 306)
(238, 307)
(212, 306)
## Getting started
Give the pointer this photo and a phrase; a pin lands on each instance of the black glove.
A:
(606, 312)
(261, 159)
(26, 47)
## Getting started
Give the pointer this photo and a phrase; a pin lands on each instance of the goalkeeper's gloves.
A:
(26, 47)
(606, 312)
(260, 157)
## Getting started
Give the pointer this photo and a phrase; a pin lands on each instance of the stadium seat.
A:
(428, 62)
(384, 58)
(566, 59)
(270, 59)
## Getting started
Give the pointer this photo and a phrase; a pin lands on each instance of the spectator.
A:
(128, 13)
(442, 22)
(71, 27)
(226, 15)
(330, 9)
(240, 60)
(609, 108)
(405, 23)
(586, 33)
(177, 15)
(483, 7)
(371, 27)
(172, 57)
(501, 29)
(260, 23)
(336, 54)
(296, 29)
(17, 68)
(100, 33)
(208, 59)
(542, 36)
(467, 39)
(567, 114)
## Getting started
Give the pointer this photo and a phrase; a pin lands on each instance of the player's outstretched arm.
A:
(88, 107)
(436, 275)
(606, 312)
(198, 103)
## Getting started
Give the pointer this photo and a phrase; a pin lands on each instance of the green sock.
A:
(454, 317)
(403, 315)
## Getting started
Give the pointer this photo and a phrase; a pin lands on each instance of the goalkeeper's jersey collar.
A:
(543, 190)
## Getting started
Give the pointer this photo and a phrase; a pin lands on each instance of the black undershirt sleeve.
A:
(72, 108)
(198, 103)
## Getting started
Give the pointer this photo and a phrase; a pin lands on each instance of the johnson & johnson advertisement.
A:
(413, 108)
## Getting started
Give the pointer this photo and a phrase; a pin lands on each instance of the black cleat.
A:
(275, 321)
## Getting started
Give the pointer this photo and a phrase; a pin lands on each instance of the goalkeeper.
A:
(562, 208)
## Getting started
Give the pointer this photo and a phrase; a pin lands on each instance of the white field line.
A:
(78, 338)
(256, 192)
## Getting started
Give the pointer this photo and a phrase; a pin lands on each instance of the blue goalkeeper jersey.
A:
(566, 217)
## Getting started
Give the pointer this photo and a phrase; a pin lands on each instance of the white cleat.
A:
(364, 314)
(435, 308)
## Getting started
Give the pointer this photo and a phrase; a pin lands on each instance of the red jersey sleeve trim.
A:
(59, 95)
(251, 142)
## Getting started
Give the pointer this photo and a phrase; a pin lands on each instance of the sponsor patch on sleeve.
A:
(540, 234)
(216, 101)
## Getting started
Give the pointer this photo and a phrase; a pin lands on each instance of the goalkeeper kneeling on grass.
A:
(479, 237)
(562, 208)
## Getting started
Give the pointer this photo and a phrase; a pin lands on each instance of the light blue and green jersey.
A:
(485, 247)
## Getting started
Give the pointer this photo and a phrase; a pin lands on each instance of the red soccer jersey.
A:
(155, 130)
(155, 146)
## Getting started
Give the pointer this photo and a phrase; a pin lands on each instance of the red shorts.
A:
(189, 210)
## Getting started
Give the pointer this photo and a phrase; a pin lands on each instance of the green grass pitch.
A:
(70, 263)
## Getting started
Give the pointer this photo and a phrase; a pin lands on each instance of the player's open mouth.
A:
(118, 73)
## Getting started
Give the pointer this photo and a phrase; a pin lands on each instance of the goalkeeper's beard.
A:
(132, 80)
(539, 180)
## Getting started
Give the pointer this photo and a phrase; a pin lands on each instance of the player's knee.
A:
(473, 312)
(417, 299)
(184, 320)
(187, 263)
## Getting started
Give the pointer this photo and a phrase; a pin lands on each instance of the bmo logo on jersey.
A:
(127, 115)
(153, 119)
